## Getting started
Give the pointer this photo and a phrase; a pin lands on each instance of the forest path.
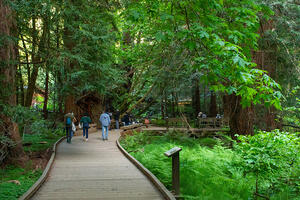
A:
(95, 170)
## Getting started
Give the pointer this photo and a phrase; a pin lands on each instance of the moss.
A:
(11, 190)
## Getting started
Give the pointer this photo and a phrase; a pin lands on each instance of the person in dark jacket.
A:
(126, 119)
(85, 121)
(68, 119)
(117, 117)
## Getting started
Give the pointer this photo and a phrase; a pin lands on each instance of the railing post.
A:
(167, 122)
(174, 153)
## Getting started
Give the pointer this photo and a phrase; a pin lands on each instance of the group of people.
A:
(128, 119)
(105, 120)
(203, 115)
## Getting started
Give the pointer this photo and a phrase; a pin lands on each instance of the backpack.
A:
(68, 121)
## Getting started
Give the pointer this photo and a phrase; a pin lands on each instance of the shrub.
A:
(274, 158)
(211, 171)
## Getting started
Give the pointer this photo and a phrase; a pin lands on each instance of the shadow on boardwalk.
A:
(95, 170)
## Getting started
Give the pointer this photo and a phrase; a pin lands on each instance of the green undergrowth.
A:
(40, 142)
(15, 181)
(210, 170)
(25, 179)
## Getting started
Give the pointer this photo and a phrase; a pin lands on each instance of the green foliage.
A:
(31, 121)
(158, 122)
(231, 172)
(274, 157)
(210, 40)
(26, 177)
(5, 144)
(47, 141)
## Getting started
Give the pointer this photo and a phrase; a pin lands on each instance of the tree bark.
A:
(46, 96)
(265, 59)
(173, 104)
(240, 119)
(162, 108)
(8, 128)
(213, 105)
(141, 99)
(196, 97)
(21, 87)
(36, 60)
(69, 43)
(45, 110)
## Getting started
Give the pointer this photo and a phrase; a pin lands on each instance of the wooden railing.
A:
(212, 123)
(209, 123)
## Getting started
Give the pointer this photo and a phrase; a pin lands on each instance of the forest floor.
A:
(14, 180)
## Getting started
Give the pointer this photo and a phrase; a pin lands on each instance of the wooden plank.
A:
(95, 170)
(167, 194)
(41, 180)
(172, 151)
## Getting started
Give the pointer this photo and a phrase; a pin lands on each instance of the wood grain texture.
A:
(95, 170)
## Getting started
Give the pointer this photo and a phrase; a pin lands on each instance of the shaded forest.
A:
(153, 59)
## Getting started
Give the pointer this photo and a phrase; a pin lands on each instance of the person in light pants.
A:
(105, 121)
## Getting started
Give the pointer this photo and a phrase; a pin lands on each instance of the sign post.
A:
(174, 153)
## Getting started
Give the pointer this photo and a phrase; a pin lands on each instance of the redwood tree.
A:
(7, 81)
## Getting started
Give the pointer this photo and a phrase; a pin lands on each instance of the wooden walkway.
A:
(95, 170)
(196, 130)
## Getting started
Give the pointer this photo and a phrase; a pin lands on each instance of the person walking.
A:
(73, 130)
(85, 121)
(105, 121)
(68, 119)
(117, 117)
(126, 119)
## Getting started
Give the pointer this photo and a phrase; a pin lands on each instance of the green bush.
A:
(211, 171)
(274, 158)
(158, 122)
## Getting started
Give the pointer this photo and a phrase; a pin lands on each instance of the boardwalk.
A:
(95, 170)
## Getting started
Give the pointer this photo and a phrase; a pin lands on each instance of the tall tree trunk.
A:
(7, 81)
(127, 86)
(270, 118)
(173, 104)
(70, 105)
(213, 105)
(196, 97)
(162, 108)
(47, 47)
(18, 89)
(36, 59)
(265, 59)
(21, 87)
(59, 94)
(45, 110)
(204, 99)
(166, 105)
(26, 56)
(240, 119)
(59, 82)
